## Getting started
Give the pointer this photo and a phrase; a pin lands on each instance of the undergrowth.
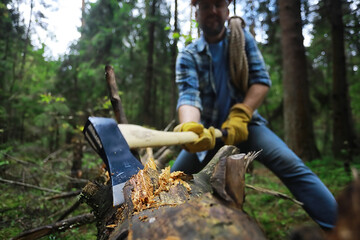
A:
(280, 217)
(23, 208)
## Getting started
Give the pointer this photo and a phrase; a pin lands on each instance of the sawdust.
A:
(145, 195)
(167, 179)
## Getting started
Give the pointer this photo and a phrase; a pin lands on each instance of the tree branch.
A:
(42, 231)
(274, 193)
(114, 95)
(28, 185)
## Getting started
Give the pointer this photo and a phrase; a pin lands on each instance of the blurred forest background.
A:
(45, 102)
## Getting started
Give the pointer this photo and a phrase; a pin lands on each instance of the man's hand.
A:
(206, 139)
(237, 123)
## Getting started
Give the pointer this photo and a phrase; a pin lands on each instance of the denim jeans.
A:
(306, 187)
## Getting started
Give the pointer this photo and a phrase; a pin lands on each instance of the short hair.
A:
(194, 2)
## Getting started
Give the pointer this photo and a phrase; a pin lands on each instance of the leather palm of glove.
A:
(237, 124)
(206, 140)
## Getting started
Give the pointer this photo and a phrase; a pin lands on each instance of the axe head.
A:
(106, 139)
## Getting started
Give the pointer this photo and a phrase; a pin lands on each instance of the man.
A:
(208, 97)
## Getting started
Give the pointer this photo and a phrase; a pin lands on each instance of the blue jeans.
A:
(306, 187)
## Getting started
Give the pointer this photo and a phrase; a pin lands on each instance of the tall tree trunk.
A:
(343, 129)
(149, 75)
(76, 168)
(252, 18)
(234, 7)
(174, 51)
(82, 13)
(299, 133)
(27, 42)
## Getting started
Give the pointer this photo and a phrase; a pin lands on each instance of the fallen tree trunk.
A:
(173, 206)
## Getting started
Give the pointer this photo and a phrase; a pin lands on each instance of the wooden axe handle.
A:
(140, 137)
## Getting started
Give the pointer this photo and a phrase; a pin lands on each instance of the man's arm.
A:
(188, 113)
(240, 115)
(255, 95)
(254, 98)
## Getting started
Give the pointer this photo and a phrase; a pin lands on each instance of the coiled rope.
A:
(239, 70)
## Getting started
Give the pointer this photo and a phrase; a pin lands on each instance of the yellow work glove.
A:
(237, 124)
(206, 140)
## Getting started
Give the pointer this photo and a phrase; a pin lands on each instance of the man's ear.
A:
(228, 14)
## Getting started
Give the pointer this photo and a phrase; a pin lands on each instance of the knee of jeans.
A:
(285, 163)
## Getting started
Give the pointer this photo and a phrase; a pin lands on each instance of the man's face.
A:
(211, 16)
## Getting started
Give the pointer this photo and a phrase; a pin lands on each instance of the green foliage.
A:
(44, 103)
(279, 217)
(116, 33)
(27, 208)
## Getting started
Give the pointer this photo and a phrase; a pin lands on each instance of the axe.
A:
(113, 142)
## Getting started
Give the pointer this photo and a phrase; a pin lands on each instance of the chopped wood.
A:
(149, 188)
(148, 158)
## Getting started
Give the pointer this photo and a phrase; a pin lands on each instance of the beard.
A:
(214, 27)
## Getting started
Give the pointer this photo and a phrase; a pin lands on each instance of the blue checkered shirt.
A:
(196, 84)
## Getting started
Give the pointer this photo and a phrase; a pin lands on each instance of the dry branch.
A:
(170, 125)
(60, 226)
(114, 95)
(163, 159)
(19, 160)
(64, 195)
(28, 185)
(274, 193)
(56, 153)
(70, 210)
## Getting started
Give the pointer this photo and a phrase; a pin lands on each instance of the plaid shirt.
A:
(196, 84)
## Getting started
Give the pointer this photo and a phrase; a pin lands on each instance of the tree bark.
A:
(210, 210)
(114, 95)
(343, 128)
(148, 104)
(82, 14)
(174, 51)
(76, 168)
(299, 133)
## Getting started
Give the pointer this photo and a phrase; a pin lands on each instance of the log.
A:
(165, 205)
(348, 222)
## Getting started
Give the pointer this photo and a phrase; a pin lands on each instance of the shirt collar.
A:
(201, 44)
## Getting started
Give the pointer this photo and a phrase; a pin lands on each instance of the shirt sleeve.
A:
(187, 81)
(257, 68)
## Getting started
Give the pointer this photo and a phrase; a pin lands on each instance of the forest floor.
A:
(23, 208)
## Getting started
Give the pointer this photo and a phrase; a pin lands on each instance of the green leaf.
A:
(176, 35)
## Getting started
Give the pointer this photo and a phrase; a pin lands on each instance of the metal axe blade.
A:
(106, 139)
